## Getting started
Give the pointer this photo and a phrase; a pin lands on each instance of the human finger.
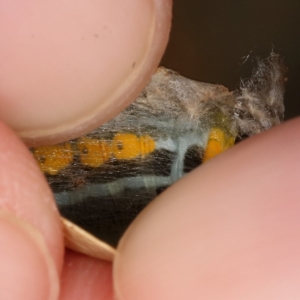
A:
(69, 66)
(228, 230)
(85, 277)
(31, 238)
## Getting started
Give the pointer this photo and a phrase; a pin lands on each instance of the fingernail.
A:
(27, 269)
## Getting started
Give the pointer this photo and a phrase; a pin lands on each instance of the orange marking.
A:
(52, 159)
(129, 146)
(218, 142)
(93, 152)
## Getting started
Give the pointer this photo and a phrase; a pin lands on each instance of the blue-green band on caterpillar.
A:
(102, 180)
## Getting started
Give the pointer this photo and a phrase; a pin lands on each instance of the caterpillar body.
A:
(102, 180)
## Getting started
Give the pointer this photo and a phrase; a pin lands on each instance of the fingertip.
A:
(79, 63)
(85, 277)
(27, 269)
(228, 230)
(25, 193)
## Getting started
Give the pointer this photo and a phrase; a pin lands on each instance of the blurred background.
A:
(211, 39)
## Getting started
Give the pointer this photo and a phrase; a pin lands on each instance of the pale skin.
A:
(229, 230)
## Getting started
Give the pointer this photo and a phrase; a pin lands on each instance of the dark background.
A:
(211, 39)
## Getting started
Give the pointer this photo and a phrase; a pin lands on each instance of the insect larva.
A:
(102, 180)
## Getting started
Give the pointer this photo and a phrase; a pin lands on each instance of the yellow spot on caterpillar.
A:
(147, 144)
(218, 142)
(129, 146)
(52, 159)
(93, 152)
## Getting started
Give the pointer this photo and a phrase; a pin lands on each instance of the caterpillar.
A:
(102, 180)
